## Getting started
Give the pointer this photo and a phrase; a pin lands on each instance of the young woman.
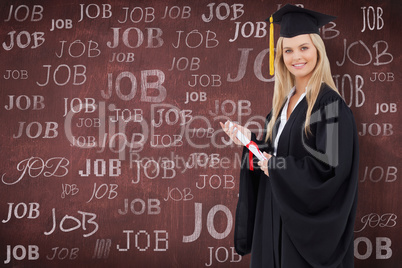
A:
(298, 208)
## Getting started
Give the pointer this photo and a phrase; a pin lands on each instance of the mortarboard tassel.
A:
(271, 46)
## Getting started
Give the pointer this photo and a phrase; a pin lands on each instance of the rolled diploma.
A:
(246, 142)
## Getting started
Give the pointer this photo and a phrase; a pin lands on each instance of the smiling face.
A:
(300, 57)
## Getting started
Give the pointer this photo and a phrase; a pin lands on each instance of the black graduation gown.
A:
(303, 214)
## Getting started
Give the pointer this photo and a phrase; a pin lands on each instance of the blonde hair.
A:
(285, 81)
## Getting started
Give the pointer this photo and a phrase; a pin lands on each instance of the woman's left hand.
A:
(264, 164)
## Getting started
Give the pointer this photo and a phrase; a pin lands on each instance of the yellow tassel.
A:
(271, 46)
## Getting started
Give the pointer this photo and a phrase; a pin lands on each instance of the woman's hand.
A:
(264, 164)
(232, 134)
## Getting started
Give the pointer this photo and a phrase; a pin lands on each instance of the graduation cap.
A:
(294, 21)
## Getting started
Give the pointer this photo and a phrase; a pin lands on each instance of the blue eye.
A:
(288, 51)
(304, 48)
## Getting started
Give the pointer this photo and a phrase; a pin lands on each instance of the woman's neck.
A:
(301, 84)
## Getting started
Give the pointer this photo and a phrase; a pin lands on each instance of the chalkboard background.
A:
(111, 148)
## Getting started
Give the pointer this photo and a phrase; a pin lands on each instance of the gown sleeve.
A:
(248, 196)
(317, 196)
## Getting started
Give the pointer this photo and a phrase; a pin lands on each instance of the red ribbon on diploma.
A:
(250, 155)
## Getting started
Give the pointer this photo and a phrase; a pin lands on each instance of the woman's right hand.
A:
(232, 134)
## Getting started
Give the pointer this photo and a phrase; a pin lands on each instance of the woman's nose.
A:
(296, 56)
